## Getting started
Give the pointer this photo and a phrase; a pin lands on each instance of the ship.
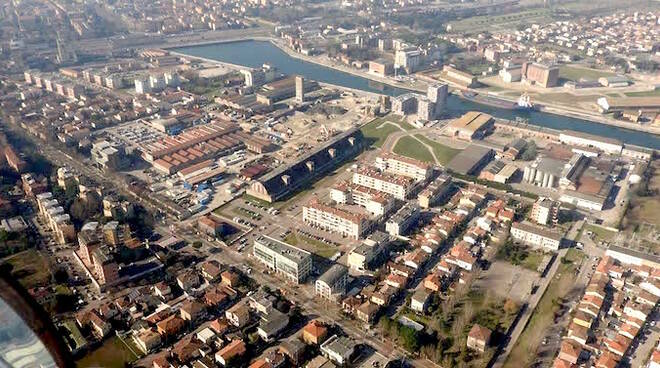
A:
(524, 102)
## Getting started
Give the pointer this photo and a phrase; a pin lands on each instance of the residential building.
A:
(231, 351)
(401, 165)
(478, 338)
(536, 236)
(332, 284)
(330, 218)
(401, 222)
(545, 211)
(338, 349)
(314, 333)
(436, 190)
(399, 187)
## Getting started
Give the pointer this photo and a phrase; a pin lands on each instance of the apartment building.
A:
(536, 236)
(293, 263)
(332, 284)
(399, 187)
(545, 211)
(54, 216)
(401, 165)
(402, 220)
(353, 225)
(375, 202)
(438, 189)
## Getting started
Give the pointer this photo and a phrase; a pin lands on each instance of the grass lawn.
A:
(567, 98)
(654, 93)
(311, 245)
(574, 73)
(479, 23)
(379, 129)
(600, 233)
(112, 354)
(532, 261)
(30, 268)
(523, 353)
(443, 153)
(410, 147)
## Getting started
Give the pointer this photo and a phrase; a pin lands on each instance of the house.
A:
(338, 349)
(293, 349)
(205, 335)
(170, 326)
(272, 324)
(187, 349)
(607, 360)
(569, 351)
(433, 282)
(367, 311)
(478, 338)
(147, 340)
(230, 278)
(215, 297)
(210, 270)
(420, 300)
(162, 290)
(220, 326)
(101, 327)
(188, 279)
(191, 310)
(577, 333)
(238, 315)
(231, 351)
(314, 333)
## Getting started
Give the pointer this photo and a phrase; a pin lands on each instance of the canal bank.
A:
(254, 54)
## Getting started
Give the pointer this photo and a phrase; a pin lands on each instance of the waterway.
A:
(255, 53)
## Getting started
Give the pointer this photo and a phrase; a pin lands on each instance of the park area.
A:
(417, 147)
(377, 131)
(575, 73)
(30, 268)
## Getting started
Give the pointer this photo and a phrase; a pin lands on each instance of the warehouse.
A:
(470, 160)
(286, 180)
(472, 125)
(611, 104)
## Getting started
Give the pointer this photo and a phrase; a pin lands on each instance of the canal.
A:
(255, 53)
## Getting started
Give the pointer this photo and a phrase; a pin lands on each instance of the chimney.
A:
(286, 179)
(310, 165)
(332, 152)
(351, 140)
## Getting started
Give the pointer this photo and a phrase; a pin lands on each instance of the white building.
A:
(607, 145)
(401, 165)
(332, 284)
(536, 236)
(293, 263)
(399, 187)
(353, 225)
(338, 349)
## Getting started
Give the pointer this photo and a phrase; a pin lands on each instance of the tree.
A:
(530, 151)
(4, 236)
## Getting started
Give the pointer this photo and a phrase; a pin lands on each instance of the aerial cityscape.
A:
(321, 184)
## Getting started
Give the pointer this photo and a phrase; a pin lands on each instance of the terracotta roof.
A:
(480, 333)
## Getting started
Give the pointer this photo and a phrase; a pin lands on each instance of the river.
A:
(255, 53)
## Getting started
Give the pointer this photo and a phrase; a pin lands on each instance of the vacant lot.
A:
(505, 21)
(30, 268)
(524, 352)
(654, 93)
(443, 153)
(410, 147)
(507, 281)
(574, 73)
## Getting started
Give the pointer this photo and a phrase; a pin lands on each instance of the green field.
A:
(600, 233)
(443, 153)
(112, 354)
(379, 129)
(410, 147)
(574, 73)
(311, 245)
(523, 353)
(504, 21)
(654, 93)
(30, 268)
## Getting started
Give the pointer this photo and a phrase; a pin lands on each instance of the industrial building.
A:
(470, 160)
(472, 125)
(293, 263)
(542, 75)
(611, 104)
(286, 180)
(607, 145)
(544, 172)
(459, 77)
